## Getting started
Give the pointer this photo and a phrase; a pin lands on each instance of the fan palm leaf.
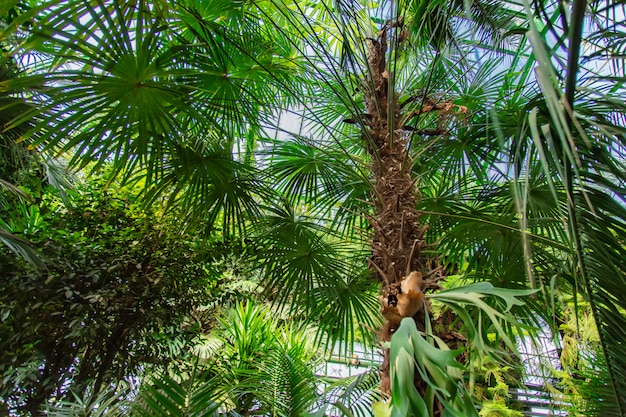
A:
(147, 87)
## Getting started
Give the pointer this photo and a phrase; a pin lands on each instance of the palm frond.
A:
(286, 384)
(308, 269)
(585, 152)
(106, 403)
(328, 183)
(143, 85)
(167, 397)
(209, 186)
(352, 396)
(22, 248)
(264, 365)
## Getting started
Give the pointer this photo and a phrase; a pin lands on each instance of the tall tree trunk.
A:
(398, 239)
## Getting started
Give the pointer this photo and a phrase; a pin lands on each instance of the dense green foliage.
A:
(338, 144)
(115, 293)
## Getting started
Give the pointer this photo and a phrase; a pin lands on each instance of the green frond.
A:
(264, 365)
(327, 182)
(351, 396)
(581, 140)
(106, 403)
(22, 248)
(209, 186)
(287, 384)
(165, 396)
(310, 271)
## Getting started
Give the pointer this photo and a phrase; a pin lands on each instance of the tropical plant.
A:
(431, 138)
(438, 366)
(251, 364)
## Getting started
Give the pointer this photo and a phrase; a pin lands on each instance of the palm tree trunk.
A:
(398, 239)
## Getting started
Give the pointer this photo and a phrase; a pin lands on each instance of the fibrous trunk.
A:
(398, 235)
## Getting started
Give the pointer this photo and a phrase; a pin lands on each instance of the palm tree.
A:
(425, 146)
